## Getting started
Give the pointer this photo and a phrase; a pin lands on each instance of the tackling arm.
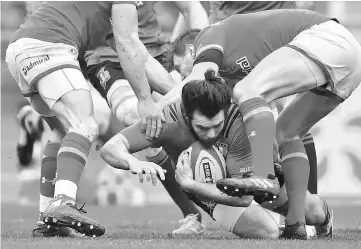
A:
(204, 191)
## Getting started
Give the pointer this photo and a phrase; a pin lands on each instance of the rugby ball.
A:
(208, 164)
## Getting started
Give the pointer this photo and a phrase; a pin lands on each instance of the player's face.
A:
(207, 130)
(183, 64)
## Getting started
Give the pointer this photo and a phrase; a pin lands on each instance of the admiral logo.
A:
(103, 77)
(244, 64)
(207, 172)
(39, 61)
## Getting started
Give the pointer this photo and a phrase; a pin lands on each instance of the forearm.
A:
(210, 192)
(116, 153)
(133, 56)
(159, 79)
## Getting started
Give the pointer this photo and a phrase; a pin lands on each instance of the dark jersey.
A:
(80, 24)
(176, 137)
(149, 32)
(238, 43)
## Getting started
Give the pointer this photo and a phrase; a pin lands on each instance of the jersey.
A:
(230, 8)
(80, 24)
(176, 136)
(149, 31)
(238, 43)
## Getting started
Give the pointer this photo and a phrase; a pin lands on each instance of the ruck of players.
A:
(222, 109)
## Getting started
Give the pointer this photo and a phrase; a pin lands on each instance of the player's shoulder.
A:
(173, 112)
(209, 38)
(233, 121)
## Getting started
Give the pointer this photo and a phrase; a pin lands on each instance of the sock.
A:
(295, 171)
(48, 175)
(72, 157)
(170, 184)
(312, 158)
(261, 128)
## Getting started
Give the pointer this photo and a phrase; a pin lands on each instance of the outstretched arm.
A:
(117, 153)
(133, 57)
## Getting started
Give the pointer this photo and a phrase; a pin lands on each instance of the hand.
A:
(151, 170)
(151, 116)
(183, 172)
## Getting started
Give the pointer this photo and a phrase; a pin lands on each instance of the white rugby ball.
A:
(208, 164)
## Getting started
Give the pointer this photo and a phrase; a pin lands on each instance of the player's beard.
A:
(208, 143)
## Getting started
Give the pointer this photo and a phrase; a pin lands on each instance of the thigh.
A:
(305, 110)
(282, 73)
(336, 51)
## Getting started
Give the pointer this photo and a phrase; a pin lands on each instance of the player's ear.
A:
(192, 50)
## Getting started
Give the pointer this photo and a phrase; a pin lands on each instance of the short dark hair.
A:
(187, 37)
(208, 96)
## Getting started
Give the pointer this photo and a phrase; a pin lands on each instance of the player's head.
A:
(184, 52)
(205, 103)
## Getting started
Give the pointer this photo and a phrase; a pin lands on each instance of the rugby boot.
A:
(63, 212)
(326, 230)
(190, 225)
(262, 188)
(296, 231)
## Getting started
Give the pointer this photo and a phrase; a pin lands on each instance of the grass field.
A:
(149, 227)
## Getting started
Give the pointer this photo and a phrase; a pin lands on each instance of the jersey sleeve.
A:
(137, 139)
(239, 157)
(209, 45)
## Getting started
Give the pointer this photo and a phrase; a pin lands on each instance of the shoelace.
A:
(81, 209)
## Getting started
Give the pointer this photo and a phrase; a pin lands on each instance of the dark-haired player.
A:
(206, 114)
(293, 51)
(43, 59)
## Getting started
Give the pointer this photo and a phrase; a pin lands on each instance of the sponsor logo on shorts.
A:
(207, 172)
(103, 76)
(244, 64)
(33, 64)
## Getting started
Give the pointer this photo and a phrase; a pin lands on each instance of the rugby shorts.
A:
(334, 49)
(29, 60)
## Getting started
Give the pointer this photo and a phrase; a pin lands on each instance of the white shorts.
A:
(333, 48)
(30, 60)
(228, 216)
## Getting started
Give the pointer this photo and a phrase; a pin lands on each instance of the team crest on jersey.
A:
(223, 148)
(103, 76)
(244, 64)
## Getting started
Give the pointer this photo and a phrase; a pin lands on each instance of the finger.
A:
(149, 128)
(144, 124)
(154, 127)
(161, 172)
(146, 171)
(159, 127)
(140, 176)
(153, 173)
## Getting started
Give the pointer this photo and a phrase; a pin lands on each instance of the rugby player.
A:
(106, 75)
(42, 58)
(220, 10)
(289, 54)
(207, 115)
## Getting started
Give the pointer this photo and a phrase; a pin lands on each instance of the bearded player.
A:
(289, 54)
(206, 115)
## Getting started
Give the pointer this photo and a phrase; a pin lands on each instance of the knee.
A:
(255, 223)
(87, 127)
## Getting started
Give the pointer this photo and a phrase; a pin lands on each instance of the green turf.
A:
(146, 228)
